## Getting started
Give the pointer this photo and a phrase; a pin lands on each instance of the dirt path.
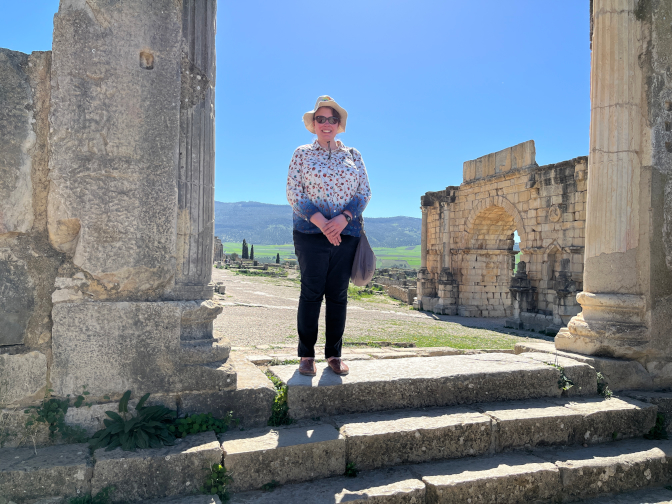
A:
(262, 311)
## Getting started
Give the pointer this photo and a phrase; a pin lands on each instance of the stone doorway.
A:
(487, 264)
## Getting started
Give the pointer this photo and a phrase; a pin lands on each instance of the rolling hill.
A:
(265, 224)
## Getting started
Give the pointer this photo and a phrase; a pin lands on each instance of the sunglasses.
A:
(322, 119)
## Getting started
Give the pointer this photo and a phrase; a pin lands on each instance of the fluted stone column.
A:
(196, 168)
(626, 307)
(130, 207)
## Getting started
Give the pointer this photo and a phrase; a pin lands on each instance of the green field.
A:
(385, 255)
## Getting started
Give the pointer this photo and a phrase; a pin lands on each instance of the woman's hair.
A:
(333, 111)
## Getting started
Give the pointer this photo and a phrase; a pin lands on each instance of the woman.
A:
(328, 189)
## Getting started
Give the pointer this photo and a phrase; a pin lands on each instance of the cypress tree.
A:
(277, 258)
(252, 254)
(244, 251)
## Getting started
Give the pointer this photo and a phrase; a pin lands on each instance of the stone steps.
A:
(312, 450)
(429, 381)
(544, 476)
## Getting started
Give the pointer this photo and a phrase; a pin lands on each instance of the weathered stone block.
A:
(161, 472)
(283, 454)
(391, 486)
(416, 382)
(505, 479)
(251, 402)
(113, 200)
(392, 438)
(23, 378)
(18, 138)
(614, 467)
(55, 471)
(581, 374)
(114, 347)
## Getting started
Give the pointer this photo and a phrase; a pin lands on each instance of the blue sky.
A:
(427, 85)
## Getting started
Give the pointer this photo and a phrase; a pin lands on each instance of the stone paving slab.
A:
(417, 382)
(283, 454)
(161, 472)
(376, 440)
(611, 468)
(645, 496)
(54, 471)
(505, 479)
(391, 355)
(389, 486)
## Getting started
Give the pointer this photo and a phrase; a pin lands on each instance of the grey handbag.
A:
(364, 264)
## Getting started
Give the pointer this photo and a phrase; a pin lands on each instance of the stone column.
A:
(621, 268)
(196, 168)
(423, 238)
(130, 200)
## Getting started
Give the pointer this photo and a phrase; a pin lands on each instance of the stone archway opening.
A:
(488, 263)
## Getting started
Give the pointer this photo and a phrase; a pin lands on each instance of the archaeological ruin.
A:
(107, 210)
(106, 254)
(468, 256)
(595, 233)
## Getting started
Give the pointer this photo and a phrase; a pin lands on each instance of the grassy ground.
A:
(432, 335)
(386, 255)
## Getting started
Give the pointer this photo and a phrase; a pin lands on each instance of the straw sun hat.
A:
(325, 101)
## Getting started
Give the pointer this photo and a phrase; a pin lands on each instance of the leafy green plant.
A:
(149, 428)
(204, 422)
(564, 383)
(52, 412)
(269, 487)
(351, 470)
(280, 411)
(102, 497)
(603, 387)
(217, 481)
(658, 431)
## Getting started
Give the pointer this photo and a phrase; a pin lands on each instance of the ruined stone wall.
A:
(470, 231)
(28, 264)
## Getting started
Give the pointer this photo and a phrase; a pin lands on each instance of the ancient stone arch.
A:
(487, 204)
(468, 254)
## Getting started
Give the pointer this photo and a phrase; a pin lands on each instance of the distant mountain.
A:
(264, 224)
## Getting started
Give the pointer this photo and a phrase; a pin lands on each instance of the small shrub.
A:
(217, 481)
(351, 470)
(280, 411)
(204, 422)
(603, 387)
(564, 383)
(149, 428)
(52, 412)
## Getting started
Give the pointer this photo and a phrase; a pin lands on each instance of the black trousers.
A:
(325, 272)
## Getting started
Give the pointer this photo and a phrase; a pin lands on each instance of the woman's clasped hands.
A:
(331, 228)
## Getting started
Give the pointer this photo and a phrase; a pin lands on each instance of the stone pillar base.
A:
(157, 347)
(610, 324)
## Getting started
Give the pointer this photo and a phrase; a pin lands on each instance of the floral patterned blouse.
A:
(318, 183)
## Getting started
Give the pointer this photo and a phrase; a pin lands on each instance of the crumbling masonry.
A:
(468, 255)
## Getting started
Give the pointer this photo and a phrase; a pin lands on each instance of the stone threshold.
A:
(376, 385)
